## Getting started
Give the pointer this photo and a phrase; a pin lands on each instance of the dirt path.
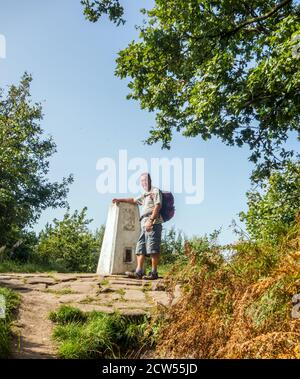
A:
(43, 293)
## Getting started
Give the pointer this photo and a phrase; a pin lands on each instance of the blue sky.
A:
(72, 62)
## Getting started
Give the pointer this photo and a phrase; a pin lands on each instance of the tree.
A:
(69, 243)
(93, 10)
(273, 211)
(220, 68)
(172, 245)
(24, 163)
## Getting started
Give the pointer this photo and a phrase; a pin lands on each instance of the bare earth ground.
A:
(43, 293)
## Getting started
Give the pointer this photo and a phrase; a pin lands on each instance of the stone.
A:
(92, 307)
(160, 298)
(128, 282)
(105, 290)
(132, 305)
(82, 287)
(39, 286)
(134, 312)
(108, 294)
(158, 286)
(121, 234)
(134, 295)
(71, 298)
(6, 277)
(40, 280)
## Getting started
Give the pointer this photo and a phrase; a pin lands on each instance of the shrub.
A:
(70, 243)
(272, 212)
(235, 308)
(171, 246)
(12, 301)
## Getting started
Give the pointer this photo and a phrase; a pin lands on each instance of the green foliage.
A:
(24, 164)
(66, 314)
(252, 261)
(70, 243)
(272, 306)
(93, 10)
(100, 335)
(204, 250)
(35, 265)
(226, 69)
(23, 250)
(12, 301)
(172, 243)
(271, 213)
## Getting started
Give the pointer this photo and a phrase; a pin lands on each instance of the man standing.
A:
(151, 227)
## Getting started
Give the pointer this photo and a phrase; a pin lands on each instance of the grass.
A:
(120, 291)
(88, 300)
(7, 266)
(109, 304)
(29, 267)
(67, 314)
(104, 282)
(97, 334)
(164, 269)
(12, 301)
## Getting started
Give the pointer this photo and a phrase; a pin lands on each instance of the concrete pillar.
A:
(122, 231)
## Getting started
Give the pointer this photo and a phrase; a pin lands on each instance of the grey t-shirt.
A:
(148, 200)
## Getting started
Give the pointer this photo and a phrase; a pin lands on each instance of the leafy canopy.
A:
(93, 10)
(220, 68)
(273, 211)
(24, 163)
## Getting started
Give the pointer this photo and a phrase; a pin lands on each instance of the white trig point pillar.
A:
(121, 234)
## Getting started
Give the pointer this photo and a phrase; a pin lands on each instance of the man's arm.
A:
(154, 215)
(155, 212)
(157, 206)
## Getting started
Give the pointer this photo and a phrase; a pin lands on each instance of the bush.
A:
(235, 308)
(171, 246)
(22, 247)
(69, 243)
(271, 213)
(12, 301)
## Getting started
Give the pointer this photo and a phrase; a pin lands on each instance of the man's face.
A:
(145, 182)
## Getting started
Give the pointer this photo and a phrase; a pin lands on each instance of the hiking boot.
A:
(134, 275)
(152, 276)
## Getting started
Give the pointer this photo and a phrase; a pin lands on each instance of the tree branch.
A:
(259, 18)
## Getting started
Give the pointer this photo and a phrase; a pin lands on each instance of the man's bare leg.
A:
(154, 261)
(140, 263)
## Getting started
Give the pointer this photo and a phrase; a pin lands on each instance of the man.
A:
(151, 227)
